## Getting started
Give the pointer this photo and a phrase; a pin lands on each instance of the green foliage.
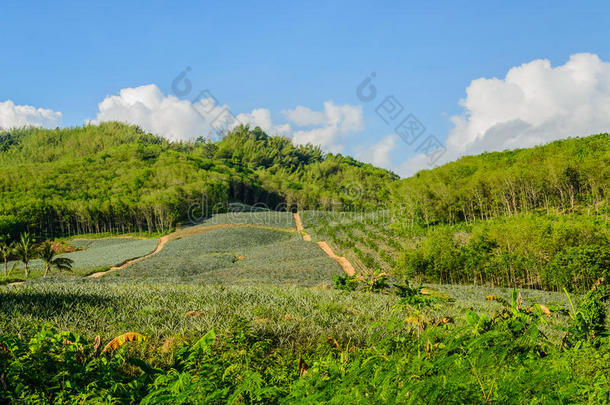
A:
(115, 178)
(563, 175)
(24, 251)
(376, 282)
(589, 320)
(57, 367)
(48, 257)
(414, 297)
(579, 266)
(532, 251)
(503, 359)
(98, 253)
(6, 249)
(345, 282)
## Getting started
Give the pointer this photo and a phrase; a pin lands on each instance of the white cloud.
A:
(17, 116)
(177, 119)
(330, 127)
(380, 153)
(167, 116)
(534, 103)
(304, 117)
(261, 117)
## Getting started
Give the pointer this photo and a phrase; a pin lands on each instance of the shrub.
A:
(589, 321)
(577, 267)
(345, 282)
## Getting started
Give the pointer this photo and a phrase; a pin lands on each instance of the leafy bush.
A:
(345, 282)
(56, 367)
(577, 267)
(589, 320)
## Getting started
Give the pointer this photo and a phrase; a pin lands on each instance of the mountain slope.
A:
(566, 175)
(115, 177)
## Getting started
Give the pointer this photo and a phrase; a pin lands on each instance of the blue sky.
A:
(68, 56)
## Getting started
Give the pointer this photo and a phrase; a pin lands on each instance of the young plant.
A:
(413, 296)
(589, 321)
(6, 248)
(50, 260)
(376, 282)
(24, 250)
(345, 282)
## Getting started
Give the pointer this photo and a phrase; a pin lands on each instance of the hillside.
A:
(247, 307)
(568, 176)
(535, 218)
(116, 178)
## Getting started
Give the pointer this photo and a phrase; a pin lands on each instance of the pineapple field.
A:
(244, 309)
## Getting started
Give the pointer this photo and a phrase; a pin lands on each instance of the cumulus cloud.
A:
(147, 107)
(326, 128)
(17, 116)
(177, 119)
(534, 103)
(303, 116)
(379, 154)
(261, 117)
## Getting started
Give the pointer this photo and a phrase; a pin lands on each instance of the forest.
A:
(571, 175)
(116, 178)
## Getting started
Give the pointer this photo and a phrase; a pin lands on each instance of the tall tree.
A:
(50, 259)
(24, 250)
(6, 248)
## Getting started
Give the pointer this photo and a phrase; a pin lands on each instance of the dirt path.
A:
(159, 247)
(185, 232)
(343, 262)
(299, 225)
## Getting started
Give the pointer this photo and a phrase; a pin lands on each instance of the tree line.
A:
(571, 175)
(115, 177)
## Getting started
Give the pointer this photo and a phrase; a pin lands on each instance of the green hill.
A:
(116, 178)
(567, 175)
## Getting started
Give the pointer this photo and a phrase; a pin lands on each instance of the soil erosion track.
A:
(299, 225)
(343, 262)
(185, 232)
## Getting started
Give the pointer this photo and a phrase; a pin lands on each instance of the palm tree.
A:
(6, 248)
(50, 260)
(24, 250)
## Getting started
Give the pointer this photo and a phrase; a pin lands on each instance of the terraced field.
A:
(370, 241)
